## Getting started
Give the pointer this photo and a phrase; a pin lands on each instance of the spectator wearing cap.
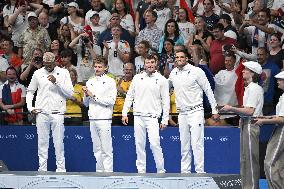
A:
(106, 35)
(99, 7)
(273, 163)
(217, 60)
(15, 18)
(151, 33)
(229, 30)
(76, 21)
(252, 106)
(33, 37)
(84, 49)
(53, 86)
(97, 29)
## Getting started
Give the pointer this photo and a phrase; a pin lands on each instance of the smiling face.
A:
(180, 59)
(11, 75)
(150, 65)
(100, 68)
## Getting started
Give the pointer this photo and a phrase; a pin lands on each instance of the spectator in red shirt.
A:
(217, 60)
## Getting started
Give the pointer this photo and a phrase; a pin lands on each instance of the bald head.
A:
(128, 70)
(43, 19)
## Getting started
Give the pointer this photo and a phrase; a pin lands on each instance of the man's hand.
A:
(163, 126)
(87, 92)
(216, 117)
(124, 120)
(51, 78)
(226, 108)
(35, 111)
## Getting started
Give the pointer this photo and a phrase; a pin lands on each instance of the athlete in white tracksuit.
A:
(149, 93)
(252, 106)
(53, 86)
(189, 82)
(274, 158)
(100, 95)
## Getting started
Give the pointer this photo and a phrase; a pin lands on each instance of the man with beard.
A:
(53, 85)
(149, 93)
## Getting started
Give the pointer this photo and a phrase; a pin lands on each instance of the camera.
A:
(85, 39)
(38, 59)
(64, 5)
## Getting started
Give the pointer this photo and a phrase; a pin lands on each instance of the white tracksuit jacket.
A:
(189, 84)
(148, 102)
(50, 97)
(104, 89)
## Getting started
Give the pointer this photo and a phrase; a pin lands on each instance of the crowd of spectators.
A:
(221, 35)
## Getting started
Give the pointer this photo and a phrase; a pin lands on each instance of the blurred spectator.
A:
(76, 21)
(209, 16)
(122, 9)
(186, 28)
(122, 85)
(83, 48)
(33, 37)
(12, 98)
(151, 33)
(97, 29)
(268, 81)
(142, 50)
(66, 35)
(202, 37)
(163, 13)
(66, 60)
(107, 35)
(173, 119)
(224, 92)
(60, 8)
(199, 7)
(16, 17)
(171, 31)
(140, 23)
(51, 28)
(3, 67)
(10, 55)
(276, 54)
(253, 9)
(217, 61)
(73, 115)
(259, 31)
(99, 7)
(117, 52)
(55, 49)
(34, 64)
(229, 30)
(167, 58)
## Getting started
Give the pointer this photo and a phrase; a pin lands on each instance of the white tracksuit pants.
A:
(102, 144)
(141, 124)
(55, 122)
(191, 130)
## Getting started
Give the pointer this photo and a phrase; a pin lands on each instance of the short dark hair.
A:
(154, 13)
(150, 57)
(100, 60)
(66, 53)
(218, 26)
(11, 68)
(145, 43)
(184, 51)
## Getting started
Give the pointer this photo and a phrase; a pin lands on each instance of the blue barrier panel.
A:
(18, 146)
